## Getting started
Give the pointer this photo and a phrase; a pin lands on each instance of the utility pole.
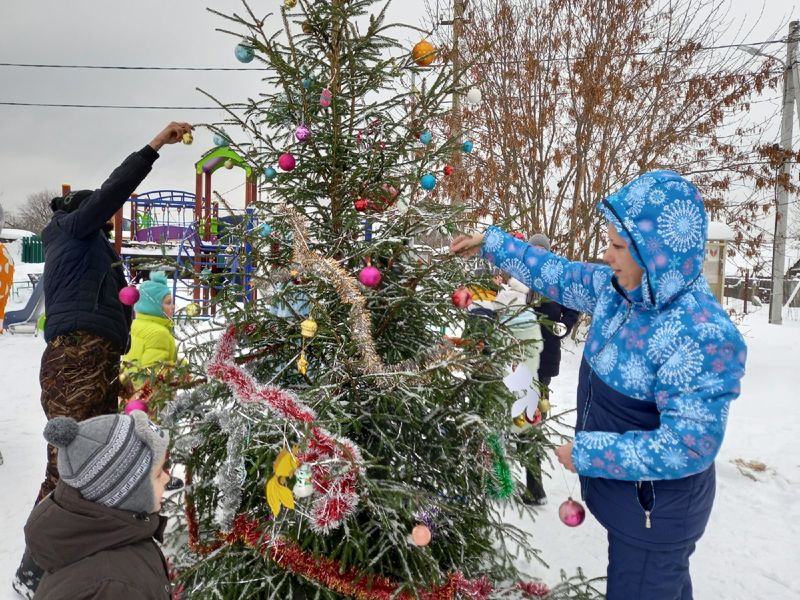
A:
(781, 195)
(455, 60)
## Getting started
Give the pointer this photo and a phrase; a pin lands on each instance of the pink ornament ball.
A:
(370, 276)
(571, 513)
(135, 405)
(421, 535)
(325, 98)
(129, 295)
(462, 298)
(286, 162)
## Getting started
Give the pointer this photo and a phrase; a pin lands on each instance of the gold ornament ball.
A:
(308, 328)
(307, 27)
(421, 535)
(187, 138)
(423, 53)
(290, 4)
(229, 164)
(193, 309)
(544, 406)
(520, 421)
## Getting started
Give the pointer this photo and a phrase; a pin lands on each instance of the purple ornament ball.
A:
(302, 133)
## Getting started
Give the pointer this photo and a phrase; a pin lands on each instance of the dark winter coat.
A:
(553, 312)
(82, 272)
(90, 551)
(661, 363)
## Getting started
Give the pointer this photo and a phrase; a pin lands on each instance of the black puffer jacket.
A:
(82, 272)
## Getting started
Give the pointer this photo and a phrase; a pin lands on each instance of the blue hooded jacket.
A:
(660, 366)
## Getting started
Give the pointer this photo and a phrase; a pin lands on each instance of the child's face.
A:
(167, 306)
(161, 478)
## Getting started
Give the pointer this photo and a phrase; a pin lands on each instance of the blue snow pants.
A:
(636, 573)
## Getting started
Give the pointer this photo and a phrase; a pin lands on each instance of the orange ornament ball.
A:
(421, 535)
(423, 53)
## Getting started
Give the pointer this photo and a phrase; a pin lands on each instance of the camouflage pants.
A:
(80, 379)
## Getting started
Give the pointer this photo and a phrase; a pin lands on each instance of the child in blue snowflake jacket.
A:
(662, 363)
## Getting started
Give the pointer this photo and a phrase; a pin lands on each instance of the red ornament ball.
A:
(448, 170)
(287, 162)
(519, 235)
(462, 297)
(129, 295)
(571, 513)
(361, 204)
(370, 276)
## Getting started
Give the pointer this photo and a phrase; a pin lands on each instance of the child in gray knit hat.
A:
(94, 534)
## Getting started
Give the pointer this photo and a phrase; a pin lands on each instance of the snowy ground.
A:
(749, 550)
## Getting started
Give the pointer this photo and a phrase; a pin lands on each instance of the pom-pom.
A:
(159, 277)
(135, 405)
(61, 431)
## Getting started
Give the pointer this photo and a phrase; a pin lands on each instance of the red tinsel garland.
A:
(338, 491)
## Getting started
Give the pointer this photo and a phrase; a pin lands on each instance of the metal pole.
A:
(455, 132)
(781, 195)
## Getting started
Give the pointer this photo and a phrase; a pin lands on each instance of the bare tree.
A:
(581, 96)
(35, 214)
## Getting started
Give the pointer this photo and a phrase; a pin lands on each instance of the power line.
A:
(127, 68)
(116, 106)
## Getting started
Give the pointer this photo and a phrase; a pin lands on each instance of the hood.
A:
(64, 528)
(662, 218)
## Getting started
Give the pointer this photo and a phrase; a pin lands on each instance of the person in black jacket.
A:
(87, 327)
(556, 323)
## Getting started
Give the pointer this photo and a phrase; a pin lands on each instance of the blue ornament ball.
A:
(428, 182)
(426, 137)
(270, 173)
(220, 140)
(265, 230)
(244, 53)
(467, 146)
(307, 82)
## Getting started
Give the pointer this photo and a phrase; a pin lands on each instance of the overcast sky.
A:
(44, 147)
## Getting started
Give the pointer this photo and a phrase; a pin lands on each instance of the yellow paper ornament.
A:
(544, 406)
(290, 4)
(302, 364)
(308, 328)
(278, 494)
(187, 138)
(193, 309)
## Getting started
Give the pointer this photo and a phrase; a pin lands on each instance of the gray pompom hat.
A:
(111, 459)
(541, 240)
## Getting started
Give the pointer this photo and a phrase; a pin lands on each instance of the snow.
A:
(749, 549)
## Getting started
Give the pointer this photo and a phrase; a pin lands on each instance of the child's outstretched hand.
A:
(466, 245)
(171, 134)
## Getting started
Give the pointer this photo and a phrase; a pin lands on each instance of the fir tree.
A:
(338, 418)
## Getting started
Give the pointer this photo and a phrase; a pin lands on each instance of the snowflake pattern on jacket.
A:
(668, 342)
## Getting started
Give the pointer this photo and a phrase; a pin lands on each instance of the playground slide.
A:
(25, 319)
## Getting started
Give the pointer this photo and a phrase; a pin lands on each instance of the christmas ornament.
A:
(571, 513)
(370, 276)
(286, 162)
(193, 309)
(221, 140)
(129, 295)
(426, 137)
(290, 4)
(228, 164)
(462, 297)
(421, 535)
(501, 485)
(428, 181)
(278, 495)
(307, 27)
(518, 235)
(302, 133)
(474, 95)
(544, 406)
(265, 230)
(244, 53)
(135, 405)
(187, 138)
(205, 273)
(302, 363)
(303, 487)
(361, 204)
(559, 329)
(307, 82)
(423, 53)
(325, 98)
(270, 173)
(467, 146)
(448, 170)
(308, 328)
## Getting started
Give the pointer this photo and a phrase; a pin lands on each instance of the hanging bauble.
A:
(520, 422)
(307, 82)
(308, 328)
(325, 98)
(290, 4)
(361, 204)
(448, 170)
(129, 295)
(370, 276)
(228, 164)
(205, 273)
(286, 161)
(423, 53)
(303, 487)
(421, 535)
(559, 329)
(270, 173)
(428, 181)
(518, 234)
(302, 133)
(467, 146)
(307, 27)
(426, 137)
(302, 364)
(244, 53)
(221, 140)
(193, 309)
(187, 138)
(474, 95)
(537, 417)
(544, 406)
(229, 250)
(571, 513)
(265, 230)
(462, 297)
(133, 405)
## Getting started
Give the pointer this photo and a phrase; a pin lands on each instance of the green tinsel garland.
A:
(501, 486)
